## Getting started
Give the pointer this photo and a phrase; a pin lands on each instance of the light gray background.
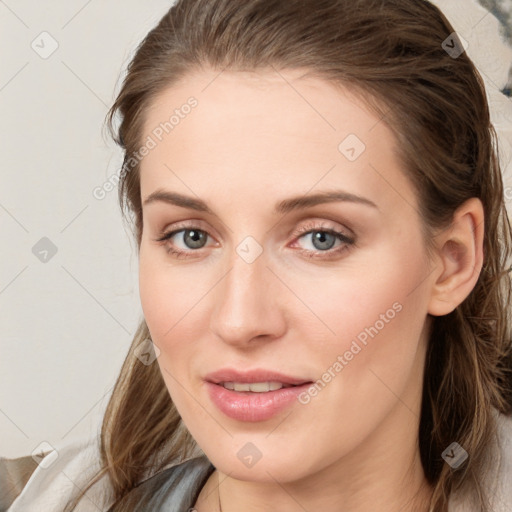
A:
(66, 324)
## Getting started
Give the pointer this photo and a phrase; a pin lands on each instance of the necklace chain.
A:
(218, 491)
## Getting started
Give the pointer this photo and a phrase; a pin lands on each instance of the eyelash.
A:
(303, 231)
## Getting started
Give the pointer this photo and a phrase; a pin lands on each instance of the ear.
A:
(459, 258)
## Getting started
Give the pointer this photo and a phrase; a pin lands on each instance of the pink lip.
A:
(256, 375)
(249, 406)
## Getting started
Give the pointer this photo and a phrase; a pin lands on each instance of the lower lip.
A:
(250, 406)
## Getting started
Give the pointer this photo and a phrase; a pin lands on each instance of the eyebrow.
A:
(282, 207)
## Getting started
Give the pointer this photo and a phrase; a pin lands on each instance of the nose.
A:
(248, 303)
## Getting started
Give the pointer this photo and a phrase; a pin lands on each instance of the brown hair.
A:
(392, 53)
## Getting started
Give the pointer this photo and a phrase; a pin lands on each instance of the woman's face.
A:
(250, 291)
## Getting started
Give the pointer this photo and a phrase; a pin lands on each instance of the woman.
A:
(324, 253)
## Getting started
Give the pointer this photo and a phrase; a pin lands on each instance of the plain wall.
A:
(67, 322)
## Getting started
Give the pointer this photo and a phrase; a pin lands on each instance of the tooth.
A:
(255, 387)
(258, 387)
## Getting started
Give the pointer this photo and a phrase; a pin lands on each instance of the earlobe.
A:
(459, 258)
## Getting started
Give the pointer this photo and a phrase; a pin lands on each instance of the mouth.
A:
(254, 395)
(255, 401)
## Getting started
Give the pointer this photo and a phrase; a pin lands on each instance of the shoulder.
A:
(173, 489)
(497, 478)
(54, 479)
(14, 474)
(59, 474)
(503, 472)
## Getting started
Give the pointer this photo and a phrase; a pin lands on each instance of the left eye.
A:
(324, 240)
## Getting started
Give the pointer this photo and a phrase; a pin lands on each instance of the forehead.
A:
(262, 132)
(264, 102)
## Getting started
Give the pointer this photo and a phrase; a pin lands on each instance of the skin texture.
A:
(253, 140)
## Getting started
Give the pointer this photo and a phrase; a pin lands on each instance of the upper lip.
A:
(250, 376)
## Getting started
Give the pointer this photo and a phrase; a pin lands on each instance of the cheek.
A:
(372, 317)
(363, 322)
(167, 293)
(155, 295)
(174, 302)
(165, 304)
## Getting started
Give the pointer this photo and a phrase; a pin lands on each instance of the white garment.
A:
(498, 482)
(50, 489)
